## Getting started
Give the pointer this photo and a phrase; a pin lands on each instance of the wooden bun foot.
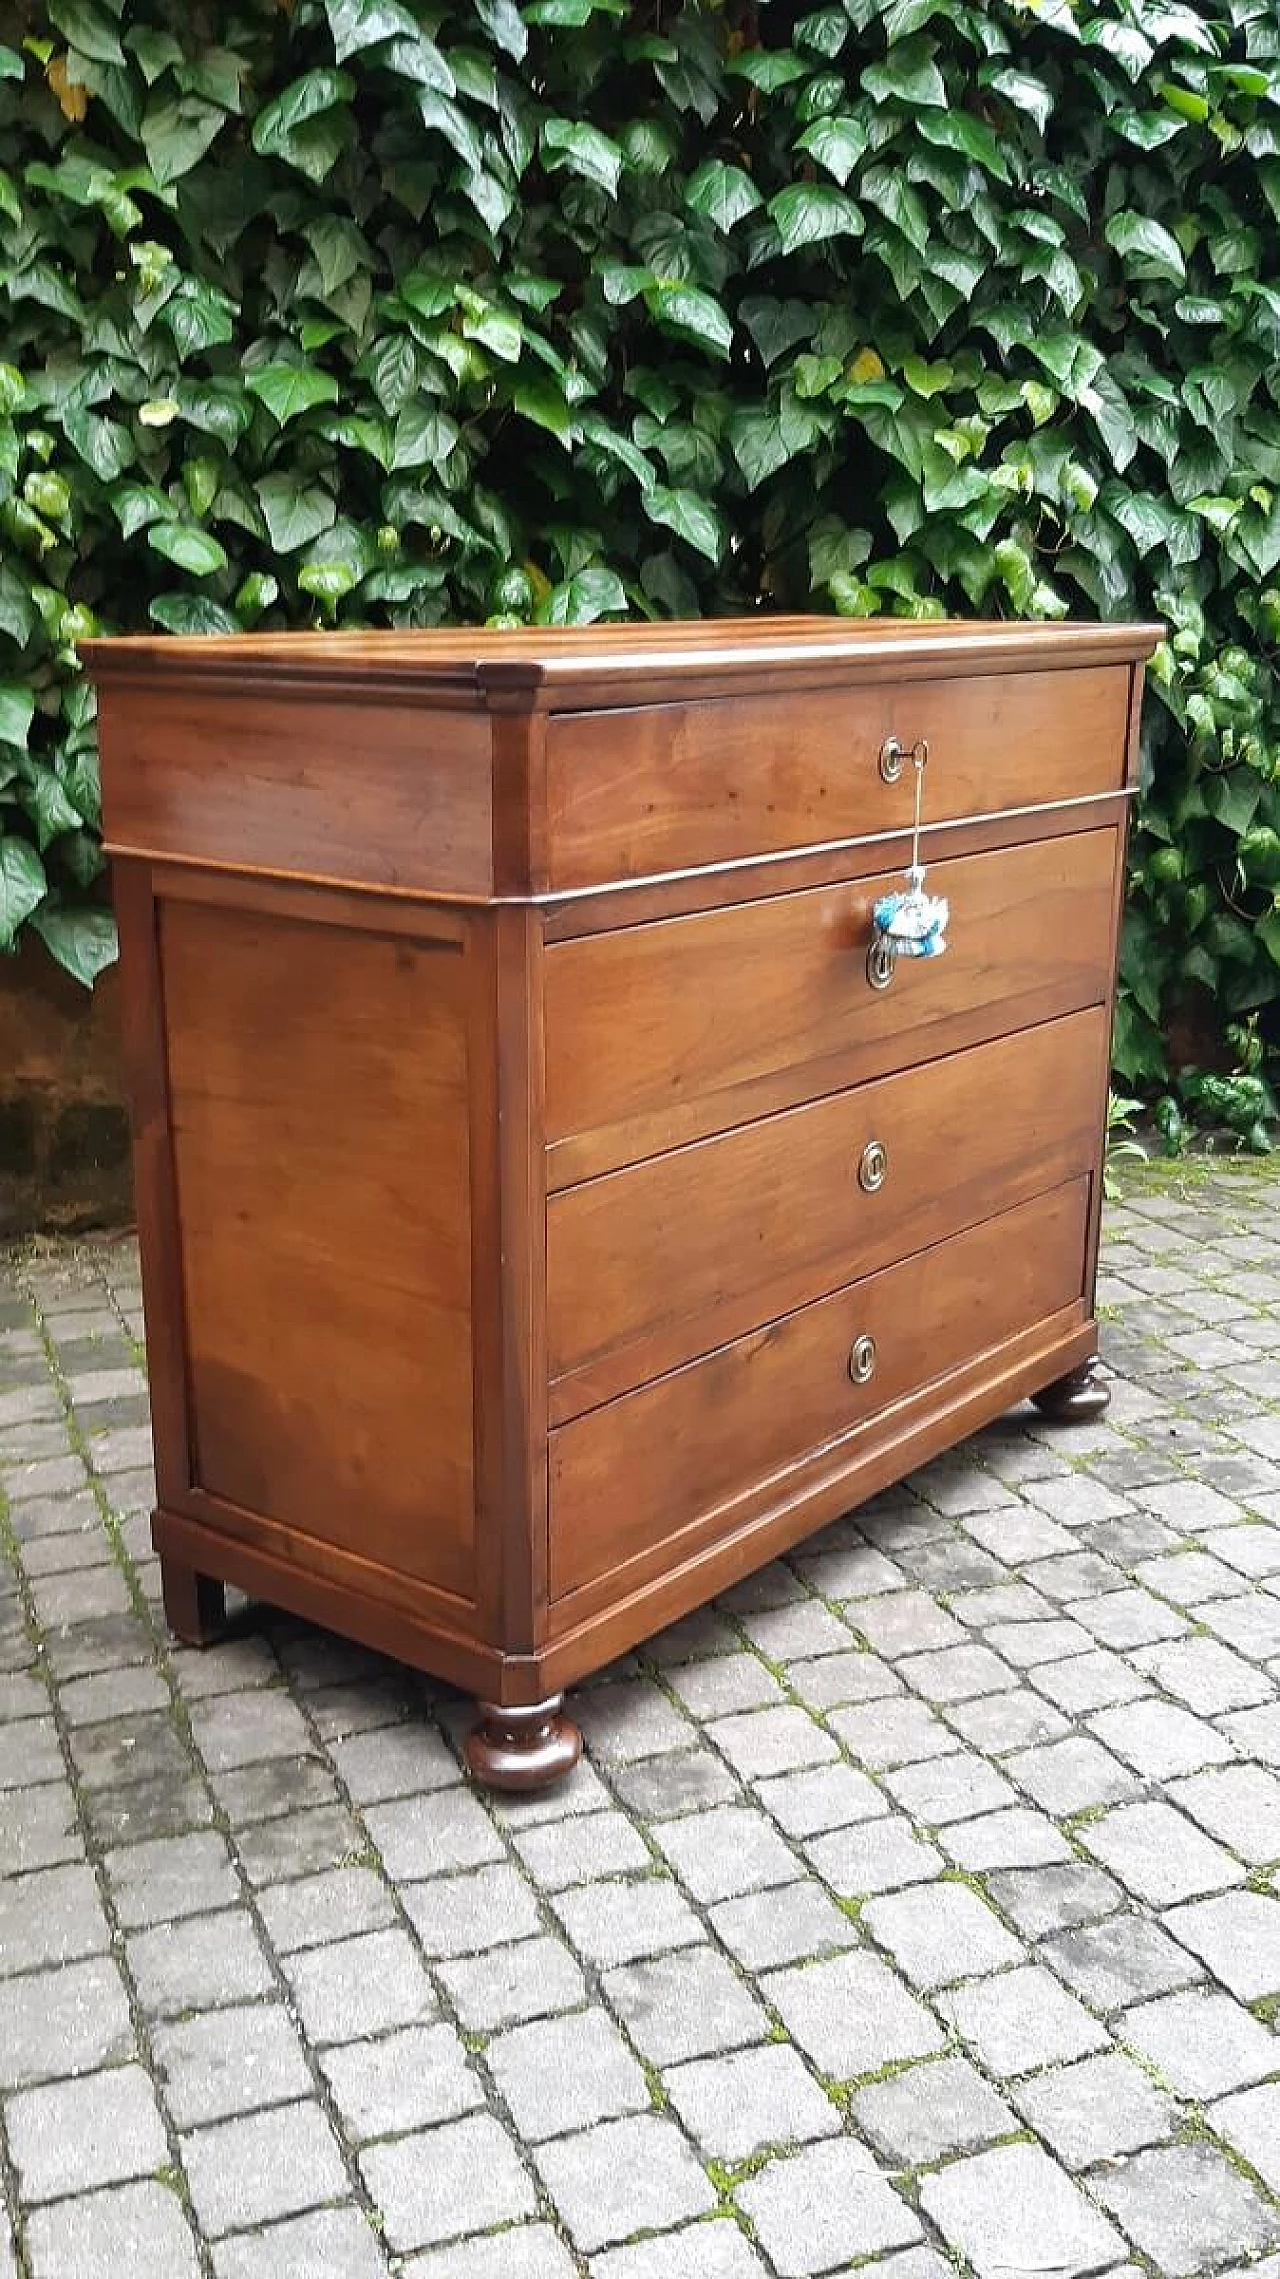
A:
(195, 1606)
(523, 1748)
(1082, 1394)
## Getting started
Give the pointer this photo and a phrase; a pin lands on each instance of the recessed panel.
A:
(318, 1092)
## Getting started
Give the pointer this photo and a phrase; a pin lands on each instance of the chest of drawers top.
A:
(479, 765)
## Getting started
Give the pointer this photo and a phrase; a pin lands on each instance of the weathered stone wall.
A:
(64, 1132)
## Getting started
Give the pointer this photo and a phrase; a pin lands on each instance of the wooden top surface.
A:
(572, 664)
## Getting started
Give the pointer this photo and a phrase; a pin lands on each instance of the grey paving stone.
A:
(405, 2080)
(1158, 1854)
(611, 1923)
(1090, 1681)
(139, 2228)
(525, 2251)
(1018, 1838)
(29, 1754)
(237, 1729)
(228, 2061)
(1205, 1675)
(661, 1788)
(758, 1742)
(736, 2106)
(1073, 1775)
(198, 1964)
(731, 1849)
(1160, 1739)
(1238, 1936)
(303, 1843)
(698, 2251)
(335, 2241)
(907, 1622)
(170, 1877)
(1203, 2043)
(878, 1855)
(581, 1850)
(621, 1723)
(319, 1908)
(1239, 1804)
(564, 2074)
(1054, 1898)
(41, 1829)
(819, 2209)
(53, 1915)
(685, 2005)
(1256, 1731)
(434, 1834)
(65, 2021)
(1250, 2122)
(926, 2112)
(113, 1693)
(1096, 2110)
(835, 1680)
(72, 2136)
(1000, 1722)
(1000, 2208)
(395, 1761)
(364, 1985)
(786, 1633)
(773, 1927)
(851, 2015)
(1188, 2209)
(938, 1935)
(950, 1788)
(262, 2166)
(1020, 2020)
(462, 1915)
(883, 1734)
(507, 1985)
(830, 1796)
(623, 2177)
(1127, 1619)
(1123, 1960)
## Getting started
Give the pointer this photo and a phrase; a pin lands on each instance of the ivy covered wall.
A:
(376, 312)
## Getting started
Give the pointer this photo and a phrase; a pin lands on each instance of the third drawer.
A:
(649, 1266)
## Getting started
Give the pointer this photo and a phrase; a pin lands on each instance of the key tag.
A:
(914, 924)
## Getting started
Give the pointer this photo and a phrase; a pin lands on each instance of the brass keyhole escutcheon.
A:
(873, 1169)
(882, 962)
(893, 759)
(862, 1359)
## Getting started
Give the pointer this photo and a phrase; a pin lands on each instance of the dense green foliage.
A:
(398, 311)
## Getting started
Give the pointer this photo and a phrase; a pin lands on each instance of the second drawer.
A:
(649, 1266)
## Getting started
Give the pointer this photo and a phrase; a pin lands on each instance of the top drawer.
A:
(633, 793)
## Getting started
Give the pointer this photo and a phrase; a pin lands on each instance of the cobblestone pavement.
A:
(917, 1905)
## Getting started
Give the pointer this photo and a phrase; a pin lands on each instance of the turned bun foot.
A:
(195, 1606)
(1083, 1393)
(523, 1748)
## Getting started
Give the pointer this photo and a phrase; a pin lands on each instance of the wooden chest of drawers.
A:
(544, 1218)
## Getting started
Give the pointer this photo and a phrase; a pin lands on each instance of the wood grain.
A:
(649, 1266)
(636, 1473)
(323, 1187)
(636, 792)
(659, 1034)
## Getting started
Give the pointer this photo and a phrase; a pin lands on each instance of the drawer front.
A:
(681, 1452)
(656, 788)
(661, 1033)
(649, 1266)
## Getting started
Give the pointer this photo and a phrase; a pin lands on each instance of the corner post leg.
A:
(195, 1605)
(523, 1748)
(1076, 1398)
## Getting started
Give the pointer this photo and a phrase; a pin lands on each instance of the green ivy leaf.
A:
(83, 942)
(583, 150)
(22, 886)
(290, 389)
(87, 28)
(17, 711)
(1146, 247)
(723, 193)
(908, 74)
(189, 547)
(690, 314)
(583, 599)
(810, 212)
(837, 143)
(692, 518)
(295, 512)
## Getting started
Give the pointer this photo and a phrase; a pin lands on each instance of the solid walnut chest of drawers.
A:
(550, 1210)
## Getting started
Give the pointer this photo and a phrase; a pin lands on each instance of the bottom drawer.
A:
(630, 1475)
